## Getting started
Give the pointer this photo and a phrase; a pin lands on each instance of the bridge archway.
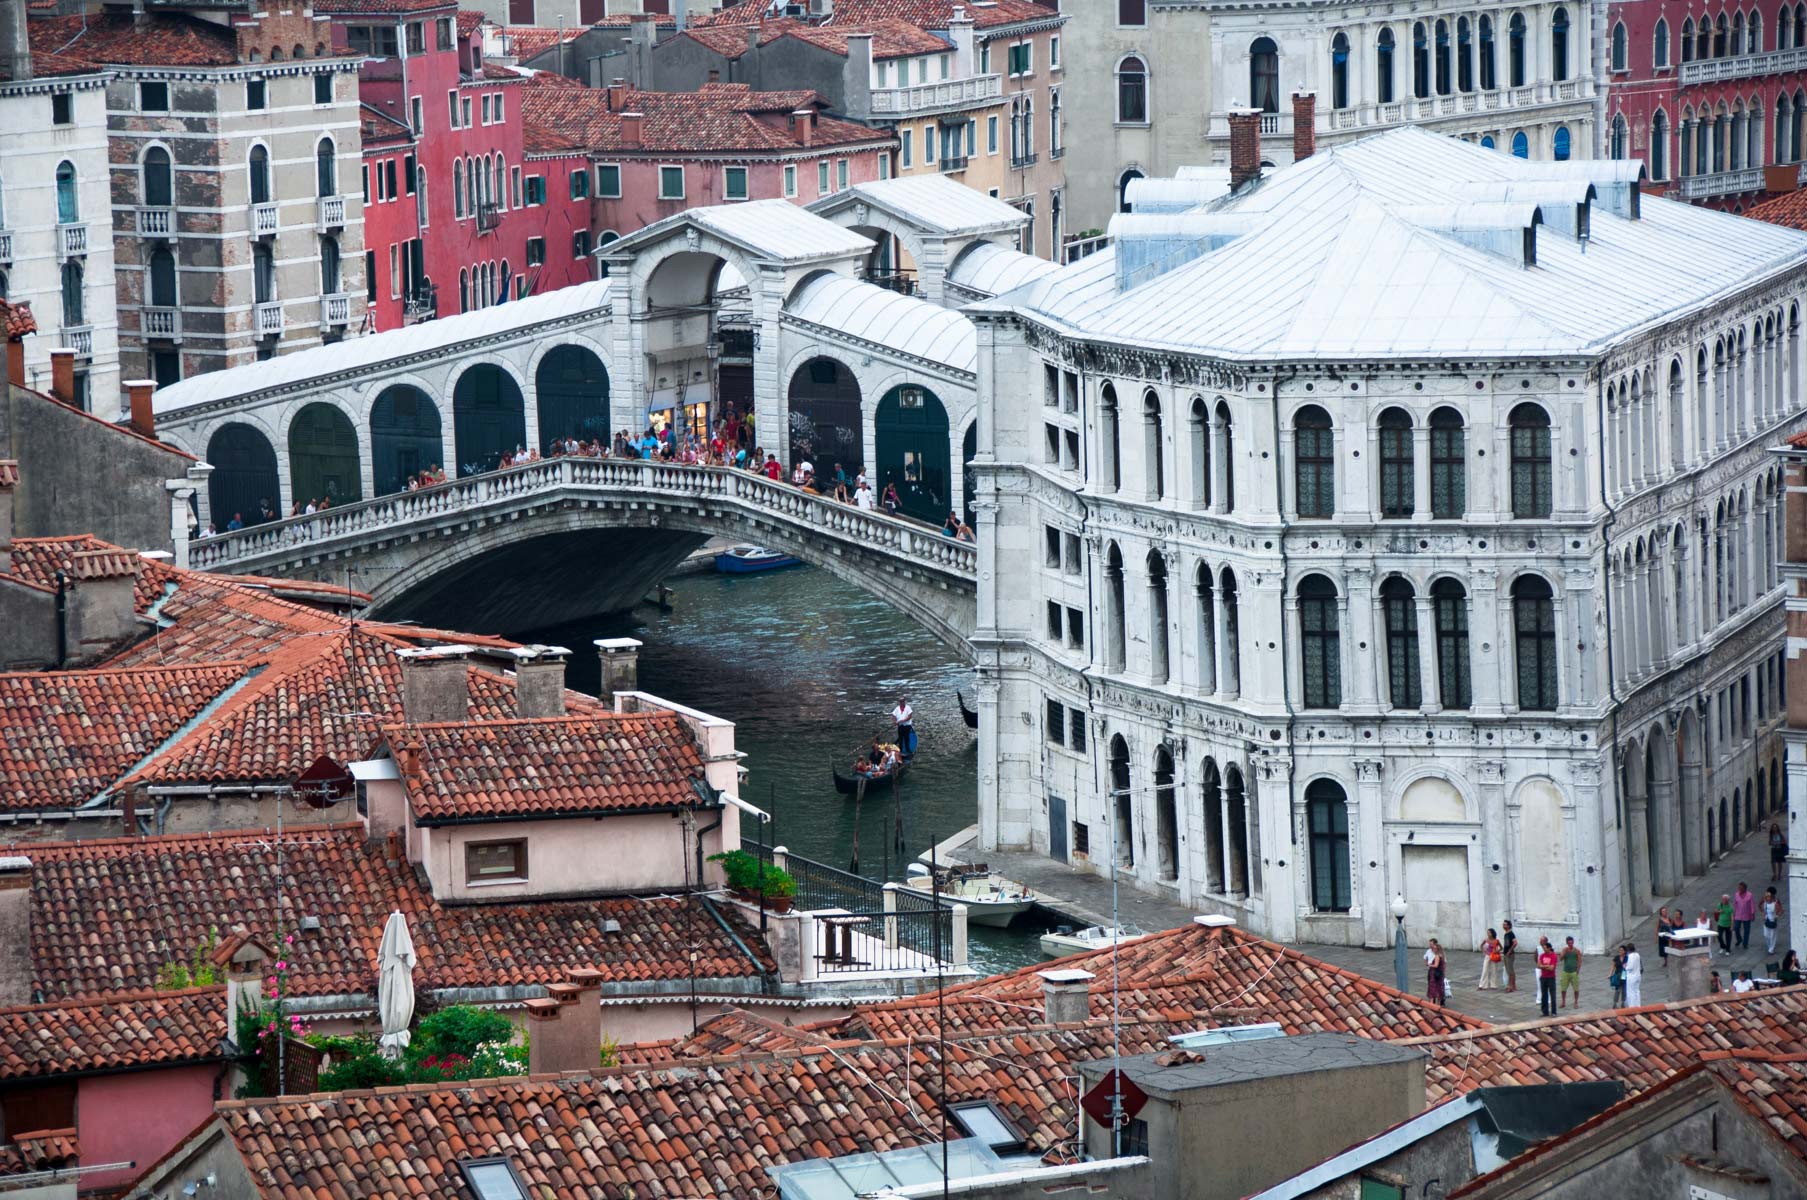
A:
(571, 395)
(323, 455)
(911, 449)
(969, 486)
(488, 417)
(825, 421)
(244, 474)
(405, 437)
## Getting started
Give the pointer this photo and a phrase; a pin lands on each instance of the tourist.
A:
(1790, 972)
(773, 471)
(1568, 980)
(1616, 980)
(1772, 918)
(862, 495)
(965, 533)
(1741, 982)
(1744, 911)
(1490, 963)
(891, 500)
(1509, 951)
(1546, 977)
(1778, 851)
(1722, 922)
(1662, 935)
(1714, 986)
(264, 511)
(1436, 986)
(905, 718)
(951, 526)
(1634, 977)
(840, 488)
(237, 522)
(1703, 921)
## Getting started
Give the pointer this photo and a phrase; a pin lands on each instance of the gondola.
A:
(848, 785)
(966, 714)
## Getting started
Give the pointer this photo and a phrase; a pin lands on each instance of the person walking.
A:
(1634, 977)
(1722, 922)
(1436, 983)
(1509, 952)
(1616, 980)
(1778, 852)
(1744, 911)
(1662, 935)
(1772, 918)
(1568, 980)
(1546, 977)
(1490, 963)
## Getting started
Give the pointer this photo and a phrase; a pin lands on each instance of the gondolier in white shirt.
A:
(905, 716)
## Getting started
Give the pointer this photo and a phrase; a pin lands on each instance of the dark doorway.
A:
(825, 421)
(911, 448)
(323, 456)
(571, 388)
(405, 437)
(969, 487)
(487, 418)
(244, 475)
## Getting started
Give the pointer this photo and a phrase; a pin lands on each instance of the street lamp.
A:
(1399, 967)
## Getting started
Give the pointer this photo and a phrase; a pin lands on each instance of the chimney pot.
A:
(539, 680)
(566, 1029)
(620, 666)
(436, 684)
(630, 130)
(140, 391)
(62, 375)
(1066, 995)
(804, 126)
(1305, 116)
(15, 926)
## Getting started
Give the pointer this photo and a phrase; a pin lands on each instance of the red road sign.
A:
(1097, 1102)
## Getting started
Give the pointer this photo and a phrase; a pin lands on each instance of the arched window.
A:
(1515, 52)
(1123, 831)
(1678, 450)
(464, 290)
(1314, 463)
(1521, 145)
(1464, 55)
(1205, 590)
(1383, 66)
(326, 168)
(1487, 142)
(1534, 639)
(1153, 456)
(1784, 27)
(1421, 61)
(1400, 608)
(1449, 611)
(1756, 33)
(1721, 37)
(1659, 145)
(259, 171)
(1560, 143)
(1132, 92)
(162, 279)
(1199, 428)
(1123, 181)
(1113, 609)
(1396, 466)
(457, 188)
(1320, 643)
(1231, 683)
(1659, 44)
(1440, 64)
(1688, 40)
(1531, 483)
(1737, 34)
(73, 303)
(1159, 661)
(1800, 25)
(1327, 828)
(1616, 143)
(158, 186)
(68, 206)
(1211, 792)
(263, 274)
(1449, 465)
(331, 276)
(1264, 75)
(1166, 817)
(1489, 78)
(1621, 53)
(1112, 466)
(1339, 71)
(1559, 44)
(1226, 455)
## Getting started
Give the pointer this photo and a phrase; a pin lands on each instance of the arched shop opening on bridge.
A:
(911, 446)
(244, 475)
(405, 437)
(488, 420)
(323, 456)
(571, 392)
(685, 298)
(825, 426)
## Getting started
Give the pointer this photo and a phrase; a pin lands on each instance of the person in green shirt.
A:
(1568, 978)
(1724, 924)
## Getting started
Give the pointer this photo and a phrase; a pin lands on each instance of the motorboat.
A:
(990, 898)
(747, 559)
(1064, 941)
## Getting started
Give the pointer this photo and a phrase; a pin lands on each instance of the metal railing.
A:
(71, 241)
(1025, 160)
(818, 884)
(953, 162)
(422, 304)
(1722, 183)
(6, 245)
(265, 220)
(488, 217)
(162, 323)
(79, 338)
(901, 282)
(335, 309)
(1078, 248)
(268, 317)
(332, 213)
(1744, 66)
(926, 97)
(156, 222)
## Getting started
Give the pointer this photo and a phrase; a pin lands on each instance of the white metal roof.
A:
(773, 230)
(933, 203)
(1332, 270)
(902, 323)
(376, 349)
(993, 269)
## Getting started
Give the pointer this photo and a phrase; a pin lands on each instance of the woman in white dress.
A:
(1634, 978)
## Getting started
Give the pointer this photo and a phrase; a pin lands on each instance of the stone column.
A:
(1637, 843)
(1369, 892)
(1590, 876)
(1579, 630)
(1499, 839)
(1432, 700)
(1221, 500)
(1357, 646)
(1421, 473)
(1795, 746)
(986, 692)
(1667, 821)
(1490, 660)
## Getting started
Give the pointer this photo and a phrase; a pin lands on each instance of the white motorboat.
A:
(990, 898)
(1063, 942)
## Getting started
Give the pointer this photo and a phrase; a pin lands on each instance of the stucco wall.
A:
(138, 1117)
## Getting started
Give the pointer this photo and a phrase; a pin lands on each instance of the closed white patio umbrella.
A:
(395, 989)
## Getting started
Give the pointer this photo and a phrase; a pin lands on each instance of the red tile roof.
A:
(1788, 209)
(16, 319)
(67, 736)
(48, 65)
(730, 41)
(891, 38)
(163, 39)
(526, 41)
(40, 1150)
(361, 8)
(381, 131)
(111, 563)
(719, 118)
(469, 21)
(550, 767)
(936, 14)
(115, 1033)
(106, 915)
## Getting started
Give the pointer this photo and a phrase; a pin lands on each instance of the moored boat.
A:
(990, 898)
(746, 559)
(1065, 941)
(966, 714)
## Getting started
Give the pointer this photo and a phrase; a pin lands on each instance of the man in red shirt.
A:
(1546, 977)
(772, 469)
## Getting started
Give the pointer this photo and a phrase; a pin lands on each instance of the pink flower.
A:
(289, 941)
(282, 966)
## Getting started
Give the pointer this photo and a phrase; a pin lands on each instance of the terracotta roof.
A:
(730, 41)
(527, 41)
(16, 319)
(380, 129)
(67, 736)
(891, 38)
(359, 8)
(48, 65)
(623, 20)
(9, 473)
(550, 767)
(1788, 209)
(115, 1033)
(715, 119)
(106, 915)
(162, 39)
(111, 563)
(40, 1150)
(469, 21)
(936, 14)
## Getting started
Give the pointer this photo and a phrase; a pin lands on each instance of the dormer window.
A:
(495, 862)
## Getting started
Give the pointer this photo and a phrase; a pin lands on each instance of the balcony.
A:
(268, 318)
(420, 305)
(1744, 66)
(79, 338)
(71, 241)
(953, 162)
(1360, 118)
(936, 97)
(335, 309)
(156, 222)
(1721, 183)
(164, 323)
(265, 220)
(488, 217)
(331, 213)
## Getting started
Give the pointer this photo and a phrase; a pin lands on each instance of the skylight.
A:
(492, 1179)
(983, 1121)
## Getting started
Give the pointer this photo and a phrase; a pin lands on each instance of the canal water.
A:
(807, 668)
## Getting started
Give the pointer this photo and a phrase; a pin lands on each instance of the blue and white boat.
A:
(745, 560)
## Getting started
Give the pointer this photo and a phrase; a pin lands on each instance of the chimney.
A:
(620, 666)
(436, 684)
(617, 94)
(1245, 146)
(241, 957)
(140, 391)
(1066, 995)
(565, 1028)
(803, 125)
(1305, 131)
(102, 608)
(539, 681)
(386, 796)
(960, 30)
(9, 483)
(856, 75)
(680, 18)
(15, 925)
(753, 32)
(62, 375)
(15, 361)
(15, 44)
(630, 130)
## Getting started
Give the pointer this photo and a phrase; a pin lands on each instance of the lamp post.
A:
(1399, 966)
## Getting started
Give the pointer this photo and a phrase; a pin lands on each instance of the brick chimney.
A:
(1245, 146)
(15, 925)
(617, 94)
(62, 375)
(436, 684)
(139, 391)
(565, 1028)
(539, 681)
(1066, 995)
(1305, 130)
(631, 124)
(620, 666)
(15, 46)
(803, 126)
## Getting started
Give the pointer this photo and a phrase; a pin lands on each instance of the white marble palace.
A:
(1402, 524)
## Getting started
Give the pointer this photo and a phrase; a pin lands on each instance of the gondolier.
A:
(905, 716)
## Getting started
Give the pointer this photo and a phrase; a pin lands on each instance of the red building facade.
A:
(1712, 97)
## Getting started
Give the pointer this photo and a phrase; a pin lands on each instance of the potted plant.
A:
(747, 877)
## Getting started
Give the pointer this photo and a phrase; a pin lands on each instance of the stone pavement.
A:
(1088, 896)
